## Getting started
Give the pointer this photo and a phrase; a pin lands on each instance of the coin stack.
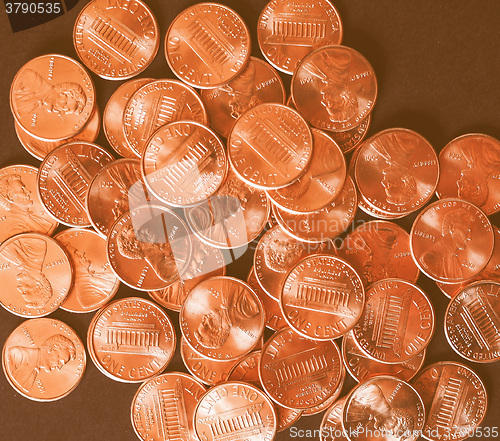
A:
(219, 162)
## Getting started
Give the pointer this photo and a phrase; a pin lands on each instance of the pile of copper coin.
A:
(219, 162)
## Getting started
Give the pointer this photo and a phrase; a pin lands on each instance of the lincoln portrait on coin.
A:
(280, 254)
(16, 199)
(29, 257)
(236, 307)
(456, 231)
(34, 92)
(338, 99)
(144, 243)
(242, 92)
(370, 409)
(25, 363)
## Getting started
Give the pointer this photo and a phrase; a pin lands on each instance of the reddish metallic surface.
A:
(43, 359)
(331, 426)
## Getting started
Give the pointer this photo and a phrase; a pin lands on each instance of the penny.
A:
(335, 88)
(149, 248)
(380, 250)
(112, 118)
(322, 297)
(361, 367)
(331, 425)
(247, 370)
(35, 275)
(205, 262)
(158, 103)
(235, 411)
(490, 271)
(397, 322)
(163, 407)
(43, 359)
(472, 323)
(258, 83)
(116, 40)
(21, 210)
(132, 340)
(321, 183)
(274, 317)
(469, 166)
(324, 224)
(94, 282)
(207, 45)
(114, 190)
(234, 216)
(208, 371)
(383, 408)
(288, 31)
(40, 149)
(276, 254)
(222, 318)
(270, 146)
(451, 240)
(454, 398)
(184, 163)
(64, 178)
(52, 97)
(397, 171)
(297, 372)
(321, 407)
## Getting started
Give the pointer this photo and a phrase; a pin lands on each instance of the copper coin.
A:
(207, 45)
(116, 40)
(43, 359)
(383, 408)
(288, 31)
(451, 240)
(158, 103)
(247, 370)
(397, 171)
(236, 411)
(40, 149)
(470, 166)
(455, 401)
(490, 272)
(270, 146)
(149, 248)
(258, 83)
(184, 163)
(380, 250)
(35, 275)
(322, 297)
(321, 407)
(52, 97)
(397, 322)
(234, 216)
(163, 407)
(331, 426)
(94, 282)
(321, 183)
(64, 179)
(112, 118)
(132, 340)
(21, 210)
(276, 254)
(361, 367)
(297, 372)
(335, 88)
(472, 323)
(206, 370)
(274, 316)
(205, 262)
(115, 189)
(324, 224)
(222, 318)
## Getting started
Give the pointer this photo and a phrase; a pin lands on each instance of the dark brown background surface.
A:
(438, 69)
